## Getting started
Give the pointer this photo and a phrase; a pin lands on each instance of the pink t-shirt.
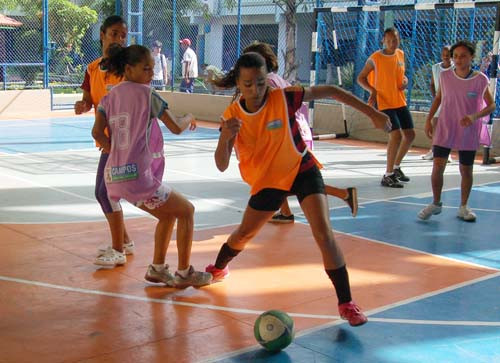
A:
(460, 97)
(302, 114)
(134, 169)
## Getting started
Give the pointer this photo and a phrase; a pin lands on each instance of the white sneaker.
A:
(428, 156)
(110, 257)
(128, 249)
(431, 209)
(466, 214)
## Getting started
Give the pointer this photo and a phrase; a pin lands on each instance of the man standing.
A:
(189, 66)
(160, 76)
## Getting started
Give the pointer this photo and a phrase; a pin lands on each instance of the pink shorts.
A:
(158, 199)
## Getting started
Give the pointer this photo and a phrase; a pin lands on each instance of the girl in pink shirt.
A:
(465, 100)
(135, 164)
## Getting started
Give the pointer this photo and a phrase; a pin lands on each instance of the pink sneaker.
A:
(217, 274)
(352, 313)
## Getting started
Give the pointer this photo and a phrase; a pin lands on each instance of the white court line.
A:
(41, 185)
(296, 315)
(42, 122)
(417, 195)
(22, 156)
(383, 320)
(444, 206)
(418, 251)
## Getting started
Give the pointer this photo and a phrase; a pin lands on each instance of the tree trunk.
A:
(290, 73)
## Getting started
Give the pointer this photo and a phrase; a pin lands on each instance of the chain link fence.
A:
(51, 48)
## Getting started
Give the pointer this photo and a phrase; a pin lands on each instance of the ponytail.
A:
(247, 60)
(118, 57)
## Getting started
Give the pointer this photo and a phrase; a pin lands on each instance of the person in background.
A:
(160, 77)
(96, 84)
(465, 100)
(189, 66)
(387, 92)
(434, 86)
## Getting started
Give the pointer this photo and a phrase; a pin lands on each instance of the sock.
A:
(340, 280)
(226, 254)
(397, 167)
(389, 174)
(183, 273)
(159, 267)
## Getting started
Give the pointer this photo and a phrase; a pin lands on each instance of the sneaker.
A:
(428, 156)
(164, 276)
(466, 214)
(217, 273)
(450, 159)
(281, 218)
(391, 181)
(400, 175)
(352, 200)
(430, 210)
(194, 278)
(352, 313)
(110, 257)
(128, 249)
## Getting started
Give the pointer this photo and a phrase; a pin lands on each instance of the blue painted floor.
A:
(71, 133)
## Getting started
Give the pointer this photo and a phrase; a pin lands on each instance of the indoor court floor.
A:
(431, 289)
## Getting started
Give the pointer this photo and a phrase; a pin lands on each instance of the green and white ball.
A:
(273, 330)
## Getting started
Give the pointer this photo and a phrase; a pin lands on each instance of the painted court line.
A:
(297, 315)
(41, 185)
(418, 251)
(444, 206)
(425, 195)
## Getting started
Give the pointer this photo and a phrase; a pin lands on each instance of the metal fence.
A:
(423, 31)
(49, 42)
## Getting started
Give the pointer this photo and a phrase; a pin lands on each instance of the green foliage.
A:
(103, 7)
(68, 24)
(29, 40)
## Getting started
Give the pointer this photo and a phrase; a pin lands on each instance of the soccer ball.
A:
(273, 330)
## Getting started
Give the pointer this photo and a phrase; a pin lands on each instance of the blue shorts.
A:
(306, 183)
(400, 118)
(465, 157)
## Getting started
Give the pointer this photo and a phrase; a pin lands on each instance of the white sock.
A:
(183, 273)
(158, 267)
(397, 167)
(389, 174)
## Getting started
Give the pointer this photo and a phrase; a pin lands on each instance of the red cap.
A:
(185, 41)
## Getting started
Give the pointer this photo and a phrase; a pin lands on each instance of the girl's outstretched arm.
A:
(379, 119)
(178, 124)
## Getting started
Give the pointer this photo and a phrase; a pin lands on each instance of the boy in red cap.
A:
(189, 66)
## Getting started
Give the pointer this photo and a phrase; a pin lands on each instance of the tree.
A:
(289, 8)
(68, 23)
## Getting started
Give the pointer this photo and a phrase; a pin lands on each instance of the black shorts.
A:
(465, 157)
(306, 183)
(400, 118)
